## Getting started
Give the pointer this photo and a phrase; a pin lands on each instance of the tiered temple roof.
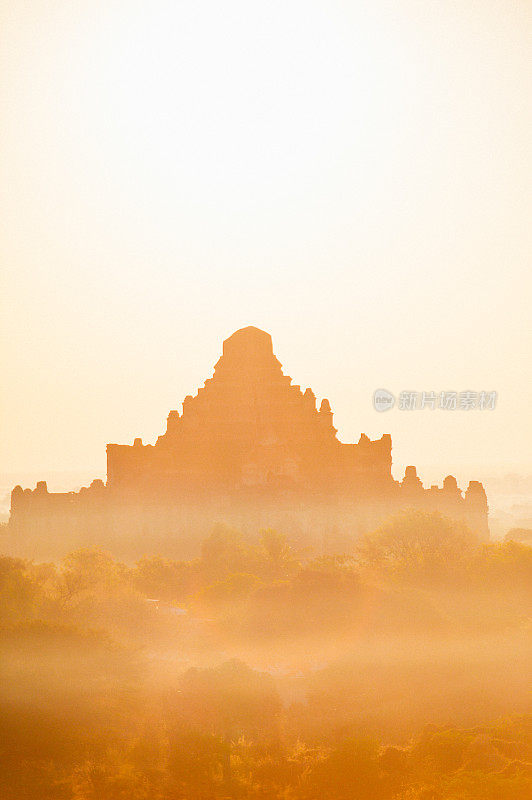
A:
(248, 443)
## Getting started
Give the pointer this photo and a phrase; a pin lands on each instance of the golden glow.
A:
(352, 177)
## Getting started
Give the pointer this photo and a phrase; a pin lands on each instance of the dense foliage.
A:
(399, 672)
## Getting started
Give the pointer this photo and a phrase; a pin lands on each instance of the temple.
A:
(250, 450)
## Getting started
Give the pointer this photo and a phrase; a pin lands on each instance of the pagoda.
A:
(251, 450)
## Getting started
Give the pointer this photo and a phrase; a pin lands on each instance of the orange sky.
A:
(354, 178)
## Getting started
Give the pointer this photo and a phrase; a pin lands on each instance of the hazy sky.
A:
(353, 177)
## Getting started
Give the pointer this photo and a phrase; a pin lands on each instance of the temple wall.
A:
(251, 450)
(96, 516)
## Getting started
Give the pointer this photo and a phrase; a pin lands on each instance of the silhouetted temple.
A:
(250, 450)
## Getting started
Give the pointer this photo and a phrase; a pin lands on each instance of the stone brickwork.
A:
(250, 449)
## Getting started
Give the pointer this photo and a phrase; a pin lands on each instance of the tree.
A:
(224, 552)
(87, 570)
(281, 558)
(163, 579)
(23, 588)
(226, 593)
(419, 545)
(229, 701)
(351, 771)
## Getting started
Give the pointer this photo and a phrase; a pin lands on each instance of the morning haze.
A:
(265, 482)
